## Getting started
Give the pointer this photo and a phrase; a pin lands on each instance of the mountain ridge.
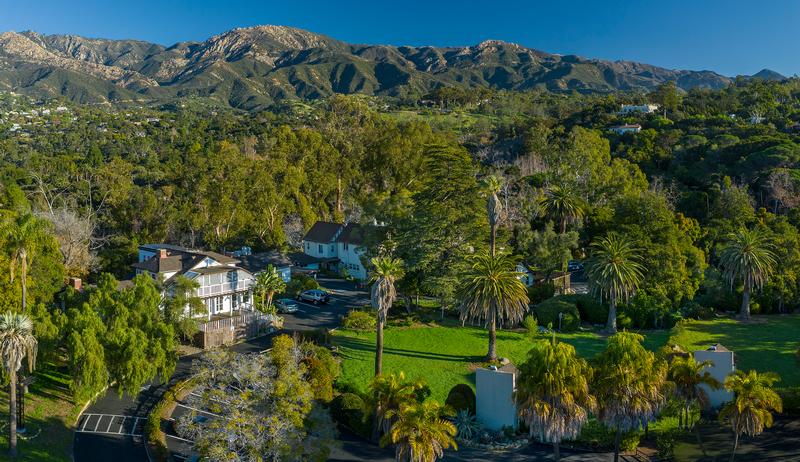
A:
(251, 67)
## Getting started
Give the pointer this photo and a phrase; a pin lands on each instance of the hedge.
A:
(547, 313)
(348, 409)
(156, 438)
(461, 397)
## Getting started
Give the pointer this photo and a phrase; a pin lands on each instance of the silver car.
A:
(286, 305)
(314, 296)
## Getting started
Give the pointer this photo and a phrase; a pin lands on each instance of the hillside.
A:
(252, 67)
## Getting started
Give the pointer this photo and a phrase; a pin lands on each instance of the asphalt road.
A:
(111, 429)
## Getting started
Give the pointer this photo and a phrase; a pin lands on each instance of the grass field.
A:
(446, 356)
(767, 343)
(50, 417)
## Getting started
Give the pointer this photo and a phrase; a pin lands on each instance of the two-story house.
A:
(336, 247)
(224, 287)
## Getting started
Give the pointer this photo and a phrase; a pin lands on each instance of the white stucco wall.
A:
(352, 256)
(313, 249)
(722, 367)
(494, 394)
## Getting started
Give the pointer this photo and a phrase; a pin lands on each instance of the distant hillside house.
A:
(627, 128)
(530, 277)
(335, 247)
(225, 288)
(643, 108)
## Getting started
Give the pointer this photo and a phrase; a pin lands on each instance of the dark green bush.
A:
(695, 310)
(547, 313)
(359, 320)
(538, 293)
(461, 397)
(299, 283)
(348, 409)
(791, 399)
(595, 435)
(591, 310)
(647, 312)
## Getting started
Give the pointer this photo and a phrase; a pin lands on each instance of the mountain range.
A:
(249, 68)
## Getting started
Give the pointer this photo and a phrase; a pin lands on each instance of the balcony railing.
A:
(224, 288)
(245, 318)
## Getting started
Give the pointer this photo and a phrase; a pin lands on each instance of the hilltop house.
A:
(627, 128)
(225, 288)
(334, 247)
(643, 108)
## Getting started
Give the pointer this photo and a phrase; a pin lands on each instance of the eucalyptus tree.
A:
(614, 272)
(386, 271)
(691, 378)
(420, 432)
(750, 412)
(564, 205)
(16, 343)
(553, 396)
(268, 283)
(629, 384)
(491, 291)
(748, 257)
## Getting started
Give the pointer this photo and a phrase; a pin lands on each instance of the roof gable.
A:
(323, 232)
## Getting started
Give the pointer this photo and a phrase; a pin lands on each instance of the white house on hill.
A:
(627, 128)
(225, 288)
(643, 108)
(335, 247)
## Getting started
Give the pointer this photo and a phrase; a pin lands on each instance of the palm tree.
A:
(268, 283)
(387, 392)
(419, 432)
(564, 205)
(691, 379)
(628, 383)
(614, 272)
(748, 256)
(385, 273)
(494, 209)
(553, 392)
(16, 342)
(23, 235)
(750, 412)
(492, 291)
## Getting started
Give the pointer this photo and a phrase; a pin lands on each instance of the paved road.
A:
(111, 428)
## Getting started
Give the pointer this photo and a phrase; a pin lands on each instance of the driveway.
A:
(112, 428)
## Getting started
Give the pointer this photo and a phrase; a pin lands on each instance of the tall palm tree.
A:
(629, 384)
(492, 290)
(564, 205)
(420, 433)
(748, 256)
(691, 379)
(387, 392)
(614, 272)
(553, 392)
(494, 209)
(268, 283)
(385, 273)
(750, 412)
(16, 343)
(23, 235)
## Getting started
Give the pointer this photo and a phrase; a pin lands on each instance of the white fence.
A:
(240, 320)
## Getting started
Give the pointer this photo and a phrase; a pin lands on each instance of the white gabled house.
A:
(627, 128)
(225, 288)
(643, 108)
(335, 247)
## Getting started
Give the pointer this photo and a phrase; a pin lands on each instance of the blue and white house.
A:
(335, 247)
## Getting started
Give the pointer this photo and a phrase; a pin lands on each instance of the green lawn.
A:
(767, 343)
(445, 356)
(50, 416)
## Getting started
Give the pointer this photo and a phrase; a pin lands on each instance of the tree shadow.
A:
(363, 345)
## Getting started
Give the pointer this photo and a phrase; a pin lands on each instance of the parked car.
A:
(286, 305)
(574, 265)
(315, 296)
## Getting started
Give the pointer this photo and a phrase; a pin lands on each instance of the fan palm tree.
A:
(691, 379)
(564, 205)
(16, 343)
(387, 392)
(385, 273)
(492, 291)
(629, 384)
(614, 272)
(268, 283)
(553, 392)
(748, 256)
(750, 412)
(420, 433)
(23, 235)
(494, 210)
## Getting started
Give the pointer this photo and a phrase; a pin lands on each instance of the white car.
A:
(286, 305)
(315, 296)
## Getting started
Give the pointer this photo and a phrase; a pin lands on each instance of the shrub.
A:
(348, 409)
(597, 436)
(467, 426)
(695, 310)
(299, 283)
(538, 293)
(461, 397)
(320, 378)
(647, 312)
(531, 325)
(591, 310)
(359, 320)
(791, 399)
(547, 313)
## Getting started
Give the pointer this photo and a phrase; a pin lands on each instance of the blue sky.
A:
(730, 37)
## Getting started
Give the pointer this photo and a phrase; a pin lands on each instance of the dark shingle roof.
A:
(323, 232)
(258, 261)
(353, 233)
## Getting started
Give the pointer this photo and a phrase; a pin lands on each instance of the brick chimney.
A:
(76, 284)
(162, 253)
